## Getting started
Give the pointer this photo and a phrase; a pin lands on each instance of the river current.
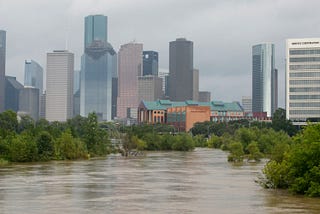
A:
(201, 181)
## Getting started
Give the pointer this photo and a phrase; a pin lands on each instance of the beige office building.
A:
(303, 79)
(59, 96)
(150, 88)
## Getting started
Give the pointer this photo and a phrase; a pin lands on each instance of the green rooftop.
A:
(214, 105)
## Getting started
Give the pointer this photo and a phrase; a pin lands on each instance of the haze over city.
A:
(223, 33)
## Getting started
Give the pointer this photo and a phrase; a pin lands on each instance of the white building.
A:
(303, 79)
(59, 97)
(247, 104)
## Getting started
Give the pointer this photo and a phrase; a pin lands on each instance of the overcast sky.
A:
(223, 32)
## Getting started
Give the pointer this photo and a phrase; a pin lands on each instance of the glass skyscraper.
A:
(150, 63)
(98, 65)
(2, 69)
(180, 86)
(33, 75)
(264, 79)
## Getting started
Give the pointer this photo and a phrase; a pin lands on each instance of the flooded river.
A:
(201, 181)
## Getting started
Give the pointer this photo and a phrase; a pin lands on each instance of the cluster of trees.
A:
(27, 140)
(156, 137)
(298, 166)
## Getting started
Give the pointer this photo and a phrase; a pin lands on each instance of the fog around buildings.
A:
(223, 33)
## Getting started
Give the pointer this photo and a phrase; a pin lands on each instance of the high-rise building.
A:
(247, 104)
(97, 68)
(59, 94)
(33, 75)
(150, 88)
(303, 79)
(150, 63)
(181, 70)
(129, 68)
(42, 110)
(264, 79)
(195, 90)
(12, 89)
(204, 96)
(29, 102)
(2, 69)
(164, 76)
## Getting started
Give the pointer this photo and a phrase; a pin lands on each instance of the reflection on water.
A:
(162, 182)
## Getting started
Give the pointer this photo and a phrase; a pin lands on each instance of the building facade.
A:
(180, 86)
(129, 68)
(2, 69)
(174, 113)
(150, 63)
(12, 89)
(150, 88)
(98, 65)
(264, 86)
(204, 96)
(303, 79)
(33, 75)
(59, 94)
(195, 90)
(29, 102)
(247, 104)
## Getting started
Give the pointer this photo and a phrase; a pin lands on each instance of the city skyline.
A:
(220, 31)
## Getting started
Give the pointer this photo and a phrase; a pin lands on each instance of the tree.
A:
(254, 153)
(236, 152)
(8, 123)
(45, 145)
(280, 122)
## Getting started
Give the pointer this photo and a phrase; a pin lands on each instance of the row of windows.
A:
(304, 82)
(303, 97)
(308, 104)
(304, 67)
(304, 111)
(304, 59)
(304, 52)
(305, 74)
(306, 89)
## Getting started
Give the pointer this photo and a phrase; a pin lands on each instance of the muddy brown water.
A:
(201, 181)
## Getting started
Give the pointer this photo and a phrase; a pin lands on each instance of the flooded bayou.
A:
(201, 181)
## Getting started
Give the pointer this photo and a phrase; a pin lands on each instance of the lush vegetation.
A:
(298, 167)
(27, 140)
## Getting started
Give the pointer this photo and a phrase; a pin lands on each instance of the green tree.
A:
(236, 152)
(8, 123)
(254, 152)
(22, 148)
(45, 144)
(280, 122)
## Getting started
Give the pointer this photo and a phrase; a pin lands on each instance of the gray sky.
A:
(223, 32)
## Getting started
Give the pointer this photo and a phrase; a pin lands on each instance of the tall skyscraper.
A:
(264, 79)
(33, 75)
(2, 69)
(29, 102)
(59, 95)
(303, 79)
(150, 63)
(204, 96)
(12, 89)
(164, 75)
(97, 68)
(129, 68)
(181, 70)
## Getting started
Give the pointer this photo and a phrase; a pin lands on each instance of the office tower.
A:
(263, 79)
(97, 68)
(150, 88)
(303, 79)
(204, 96)
(164, 76)
(12, 89)
(2, 69)
(33, 75)
(195, 90)
(59, 94)
(150, 63)
(181, 70)
(29, 102)
(129, 68)
(42, 110)
(76, 81)
(247, 104)
(114, 87)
